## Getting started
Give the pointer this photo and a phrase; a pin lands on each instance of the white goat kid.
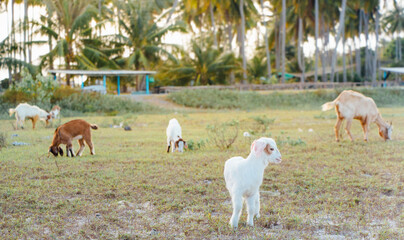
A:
(244, 177)
(174, 137)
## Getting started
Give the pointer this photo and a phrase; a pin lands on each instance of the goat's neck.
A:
(380, 122)
(258, 162)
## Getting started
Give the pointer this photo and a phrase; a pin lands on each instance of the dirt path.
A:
(159, 100)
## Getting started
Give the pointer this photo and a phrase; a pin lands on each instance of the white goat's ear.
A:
(258, 147)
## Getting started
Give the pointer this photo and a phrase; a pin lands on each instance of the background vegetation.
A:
(212, 47)
(311, 99)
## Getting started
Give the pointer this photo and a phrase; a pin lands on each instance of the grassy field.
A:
(133, 189)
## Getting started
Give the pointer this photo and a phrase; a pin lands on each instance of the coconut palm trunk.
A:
(266, 43)
(375, 55)
(212, 19)
(283, 24)
(357, 48)
(230, 38)
(340, 29)
(25, 29)
(344, 59)
(316, 41)
(242, 41)
(300, 53)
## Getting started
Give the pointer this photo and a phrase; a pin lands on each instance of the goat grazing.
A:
(74, 130)
(24, 110)
(353, 105)
(55, 112)
(174, 137)
(244, 177)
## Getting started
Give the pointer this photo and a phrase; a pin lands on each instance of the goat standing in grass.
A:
(244, 177)
(74, 130)
(351, 105)
(174, 138)
(24, 110)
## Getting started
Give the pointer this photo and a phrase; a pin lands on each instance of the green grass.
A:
(132, 189)
(310, 99)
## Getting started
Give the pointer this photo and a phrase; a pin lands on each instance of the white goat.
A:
(244, 177)
(174, 137)
(351, 105)
(24, 110)
(55, 112)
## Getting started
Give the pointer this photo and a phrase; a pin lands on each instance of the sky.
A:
(173, 38)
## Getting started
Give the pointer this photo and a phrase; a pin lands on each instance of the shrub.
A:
(227, 99)
(261, 123)
(223, 135)
(15, 97)
(196, 145)
(39, 89)
(94, 102)
(3, 140)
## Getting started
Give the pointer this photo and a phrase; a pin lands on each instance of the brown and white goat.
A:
(55, 112)
(74, 130)
(25, 111)
(351, 105)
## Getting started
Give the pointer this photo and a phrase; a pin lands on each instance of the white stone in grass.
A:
(311, 130)
(246, 134)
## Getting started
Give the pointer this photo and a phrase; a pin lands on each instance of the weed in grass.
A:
(224, 134)
(262, 123)
(281, 141)
(196, 145)
(3, 140)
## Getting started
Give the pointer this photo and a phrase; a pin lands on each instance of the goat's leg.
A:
(173, 146)
(69, 149)
(82, 145)
(22, 122)
(251, 210)
(237, 201)
(34, 120)
(168, 145)
(90, 145)
(257, 204)
(348, 128)
(337, 127)
(365, 128)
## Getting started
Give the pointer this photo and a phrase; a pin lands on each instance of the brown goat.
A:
(74, 130)
(353, 105)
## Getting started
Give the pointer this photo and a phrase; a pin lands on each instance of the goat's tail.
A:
(328, 106)
(94, 126)
(11, 111)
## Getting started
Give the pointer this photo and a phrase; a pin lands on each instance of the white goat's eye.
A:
(271, 149)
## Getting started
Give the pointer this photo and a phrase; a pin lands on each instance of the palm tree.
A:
(203, 66)
(73, 17)
(340, 31)
(142, 36)
(283, 32)
(242, 40)
(316, 41)
(266, 42)
(392, 23)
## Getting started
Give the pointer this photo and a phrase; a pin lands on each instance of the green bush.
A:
(94, 102)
